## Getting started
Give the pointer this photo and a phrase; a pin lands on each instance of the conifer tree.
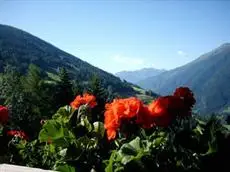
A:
(16, 99)
(97, 89)
(33, 86)
(111, 94)
(77, 87)
(34, 91)
(64, 93)
(10, 84)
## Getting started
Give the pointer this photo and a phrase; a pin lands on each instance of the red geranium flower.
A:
(112, 118)
(131, 107)
(16, 133)
(161, 112)
(186, 94)
(4, 114)
(118, 110)
(85, 99)
(188, 98)
(144, 118)
(111, 134)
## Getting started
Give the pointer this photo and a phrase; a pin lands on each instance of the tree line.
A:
(34, 96)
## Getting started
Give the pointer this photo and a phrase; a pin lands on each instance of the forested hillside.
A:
(19, 49)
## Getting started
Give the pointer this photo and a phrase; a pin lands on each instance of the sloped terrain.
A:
(208, 76)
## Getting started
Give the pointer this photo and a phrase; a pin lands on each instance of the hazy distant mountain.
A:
(138, 75)
(208, 76)
(20, 48)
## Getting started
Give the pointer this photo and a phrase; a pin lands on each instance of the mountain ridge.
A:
(208, 76)
(20, 48)
(135, 76)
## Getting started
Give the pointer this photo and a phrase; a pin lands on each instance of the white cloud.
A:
(128, 60)
(182, 53)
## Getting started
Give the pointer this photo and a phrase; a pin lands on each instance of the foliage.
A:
(14, 97)
(67, 141)
(93, 133)
(29, 98)
(96, 87)
(64, 90)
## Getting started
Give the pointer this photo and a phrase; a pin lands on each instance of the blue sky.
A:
(125, 35)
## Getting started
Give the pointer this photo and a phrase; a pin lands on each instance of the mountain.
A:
(208, 76)
(20, 49)
(138, 75)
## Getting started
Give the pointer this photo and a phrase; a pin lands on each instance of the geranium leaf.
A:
(65, 168)
(85, 122)
(51, 130)
(54, 132)
(227, 127)
(109, 167)
(98, 129)
(198, 130)
(158, 141)
(64, 114)
(200, 122)
(135, 143)
(83, 111)
(126, 159)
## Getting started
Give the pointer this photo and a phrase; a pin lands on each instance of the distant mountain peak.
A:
(140, 74)
(207, 76)
(225, 45)
(221, 47)
(142, 69)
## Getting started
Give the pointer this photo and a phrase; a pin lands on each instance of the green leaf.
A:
(146, 145)
(109, 167)
(65, 168)
(63, 152)
(127, 149)
(21, 144)
(83, 111)
(157, 134)
(142, 133)
(51, 130)
(85, 143)
(126, 159)
(212, 147)
(132, 151)
(54, 132)
(227, 127)
(179, 163)
(158, 141)
(85, 122)
(135, 143)
(98, 129)
(200, 122)
(1, 129)
(51, 148)
(64, 114)
(162, 134)
(119, 169)
(132, 147)
(198, 130)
